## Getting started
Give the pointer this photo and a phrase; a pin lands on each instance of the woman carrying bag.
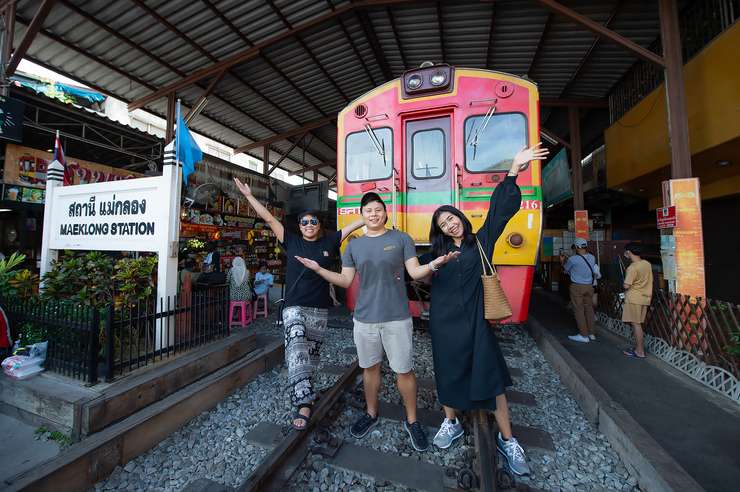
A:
(305, 312)
(470, 370)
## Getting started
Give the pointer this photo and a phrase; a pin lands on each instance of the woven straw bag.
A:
(495, 304)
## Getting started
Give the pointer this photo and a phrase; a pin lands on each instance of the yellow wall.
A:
(638, 143)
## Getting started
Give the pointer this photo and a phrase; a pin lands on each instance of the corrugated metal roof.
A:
(313, 74)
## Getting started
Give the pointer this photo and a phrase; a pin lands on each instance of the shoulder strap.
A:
(484, 259)
(593, 275)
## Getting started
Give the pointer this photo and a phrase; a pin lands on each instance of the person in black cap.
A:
(582, 269)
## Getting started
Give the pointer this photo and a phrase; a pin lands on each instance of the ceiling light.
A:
(641, 190)
(5, 210)
(723, 163)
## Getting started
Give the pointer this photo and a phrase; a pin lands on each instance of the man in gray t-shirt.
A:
(382, 319)
(380, 263)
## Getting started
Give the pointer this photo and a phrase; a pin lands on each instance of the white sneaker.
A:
(592, 336)
(579, 338)
(448, 432)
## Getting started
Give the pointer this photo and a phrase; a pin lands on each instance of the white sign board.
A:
(114, 216)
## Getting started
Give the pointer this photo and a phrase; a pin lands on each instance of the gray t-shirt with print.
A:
(380, 262)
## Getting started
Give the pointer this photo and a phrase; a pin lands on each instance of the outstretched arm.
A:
(270, 220)
(349, 229)
(418, 272)
(343, 279)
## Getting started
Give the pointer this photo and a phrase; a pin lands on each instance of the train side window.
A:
(492, 146)
(363, 161)
(428, 153)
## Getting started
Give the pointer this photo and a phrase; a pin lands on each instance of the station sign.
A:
(666, 217)
(581, 224)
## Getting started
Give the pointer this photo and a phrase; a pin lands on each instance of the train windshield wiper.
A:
(476, 135)
(379, 144)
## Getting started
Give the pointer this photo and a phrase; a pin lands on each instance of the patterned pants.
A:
(304, 332)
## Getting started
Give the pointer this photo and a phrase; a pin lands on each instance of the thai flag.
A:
(59, 156)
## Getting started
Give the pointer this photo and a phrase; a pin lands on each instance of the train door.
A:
(428, 173)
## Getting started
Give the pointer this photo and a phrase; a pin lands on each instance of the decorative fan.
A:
(203, 194)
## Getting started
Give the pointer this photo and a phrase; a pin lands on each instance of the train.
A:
(445, 135)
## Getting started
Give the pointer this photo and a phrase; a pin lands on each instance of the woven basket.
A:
(495, 304)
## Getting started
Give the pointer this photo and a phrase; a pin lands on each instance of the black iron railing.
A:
(89, 343)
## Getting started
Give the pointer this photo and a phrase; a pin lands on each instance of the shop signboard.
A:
(556, 183)
(666, 217)
(689, 242)
(27, 167)
(581, 224)
(11, 119)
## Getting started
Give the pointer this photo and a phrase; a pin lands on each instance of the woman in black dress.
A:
(470, 370)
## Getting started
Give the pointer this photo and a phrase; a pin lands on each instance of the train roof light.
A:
(428, 79)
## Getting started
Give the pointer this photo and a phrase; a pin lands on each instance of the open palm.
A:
(524, 156)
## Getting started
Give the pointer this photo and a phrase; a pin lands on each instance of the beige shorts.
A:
(634, 313)
(393, 337)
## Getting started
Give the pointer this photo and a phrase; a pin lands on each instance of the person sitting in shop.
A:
(263, 280)
(212, 261)
(238, 280)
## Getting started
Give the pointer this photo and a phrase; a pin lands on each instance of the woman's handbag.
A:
(495, 304)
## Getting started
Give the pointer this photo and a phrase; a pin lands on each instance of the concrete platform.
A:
(19, 450)
(695, 428)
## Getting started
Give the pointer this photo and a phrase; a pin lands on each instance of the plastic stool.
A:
(256, 310)
(245, 313)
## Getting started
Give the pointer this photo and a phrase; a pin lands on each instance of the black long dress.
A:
(468, 364)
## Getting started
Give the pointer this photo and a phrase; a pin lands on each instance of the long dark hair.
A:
(441, 241)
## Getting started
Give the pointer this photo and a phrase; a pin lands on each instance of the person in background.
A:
(263, 280)
(238, 280)
(212, 261)
(638, 285)
(306, 309)
(581, 269)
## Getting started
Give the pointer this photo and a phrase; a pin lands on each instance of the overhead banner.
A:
(556, 182)
(27, 167)
(123, 216)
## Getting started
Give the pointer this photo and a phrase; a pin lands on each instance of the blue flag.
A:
(188, 151)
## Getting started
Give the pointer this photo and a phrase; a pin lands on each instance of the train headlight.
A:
(414, 82)
(515, 240)
(438, 78)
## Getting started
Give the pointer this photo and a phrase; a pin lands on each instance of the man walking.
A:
(638, 284)
(581, 267)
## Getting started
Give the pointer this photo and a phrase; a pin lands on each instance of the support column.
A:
(266, 160)
(678, 126)
(7, 46)
(170, 125)
(575, 157)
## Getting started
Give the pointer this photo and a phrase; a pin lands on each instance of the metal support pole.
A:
(170, 125)
(678, 125)
(575, 157)
(8, 13)
(266, 160)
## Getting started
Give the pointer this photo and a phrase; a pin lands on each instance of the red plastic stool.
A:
(256, 310)
(245, 313)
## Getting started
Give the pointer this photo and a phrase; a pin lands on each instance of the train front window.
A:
(428, 153)
(369, 155)
(491, 145)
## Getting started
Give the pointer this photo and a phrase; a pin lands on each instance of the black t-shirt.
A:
(311, 290)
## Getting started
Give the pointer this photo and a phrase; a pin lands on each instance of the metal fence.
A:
(701, 21)
(91, 343)
(700, 327)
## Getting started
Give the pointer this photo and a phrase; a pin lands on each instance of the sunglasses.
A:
(313, 222)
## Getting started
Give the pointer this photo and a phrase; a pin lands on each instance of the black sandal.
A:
(299, 416)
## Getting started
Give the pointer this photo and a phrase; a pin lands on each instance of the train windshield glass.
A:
(428, 153)
(491, 145)
(367, 159)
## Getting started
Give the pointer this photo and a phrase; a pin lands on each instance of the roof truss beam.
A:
(31, 31)
(600, 30)
(254, 51)
(285, 135)
(312, 168)
(369, 30)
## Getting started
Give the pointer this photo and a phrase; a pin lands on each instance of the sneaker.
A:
(514, 455)
(592, 337)
(417, 435)
(579, 338)
(363, 425)
(447, 433)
